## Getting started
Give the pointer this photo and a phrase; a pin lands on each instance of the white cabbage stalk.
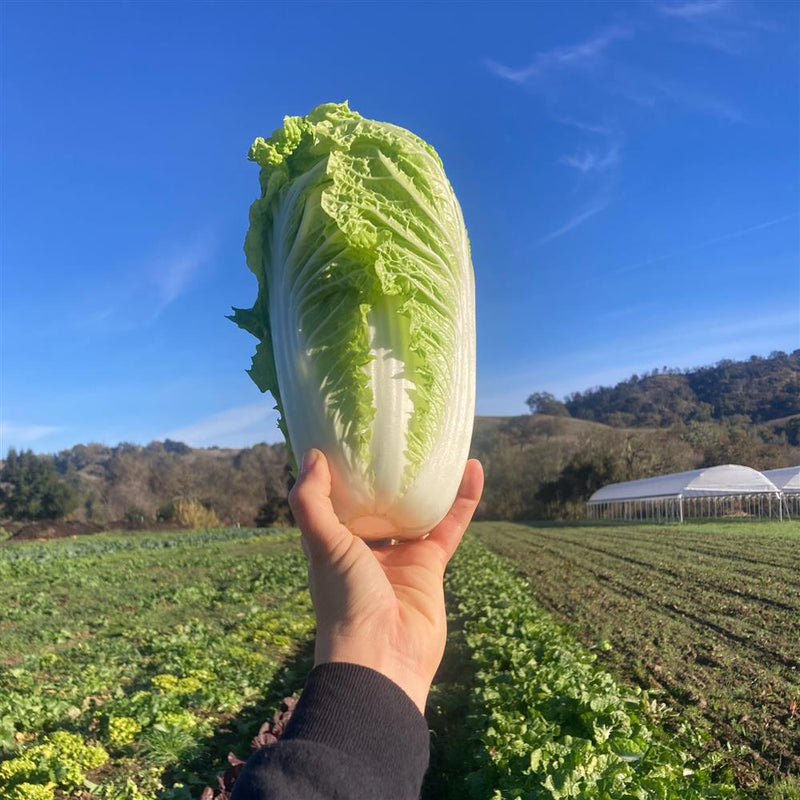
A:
(365, 314)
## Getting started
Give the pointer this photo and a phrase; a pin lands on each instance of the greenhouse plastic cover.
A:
(728, 479)
(787, 479)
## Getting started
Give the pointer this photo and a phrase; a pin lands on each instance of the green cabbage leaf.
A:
(365, 314)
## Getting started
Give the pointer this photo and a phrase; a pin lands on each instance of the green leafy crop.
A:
(61, 760)
(551, 724)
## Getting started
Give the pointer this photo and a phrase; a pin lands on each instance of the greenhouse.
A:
(725, 491)
(788, 482)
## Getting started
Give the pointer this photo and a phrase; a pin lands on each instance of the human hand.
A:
(380, 607)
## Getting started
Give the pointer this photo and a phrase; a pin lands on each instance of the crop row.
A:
(546, 721)
(127, 673)
(103, 544)
(721, 542)
(148, 655)
(724, 651)
(739, 610)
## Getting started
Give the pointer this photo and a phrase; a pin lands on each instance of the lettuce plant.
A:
(365, 314)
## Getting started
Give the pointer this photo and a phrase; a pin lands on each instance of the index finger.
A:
(310, 501)
(448, 533)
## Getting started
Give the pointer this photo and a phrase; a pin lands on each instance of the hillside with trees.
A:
(734, 412)
(541, 465)
(162, 483)
(545, 466)
(752, 391)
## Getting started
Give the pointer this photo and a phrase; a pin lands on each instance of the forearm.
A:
(353, 734)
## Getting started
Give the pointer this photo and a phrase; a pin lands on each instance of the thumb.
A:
(310, 501)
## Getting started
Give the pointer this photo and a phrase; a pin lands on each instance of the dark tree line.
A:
(741, 412)
(547, 467)
(545, 464)
(31, 488)
(536, 466)
(142, 485)
(752, 391)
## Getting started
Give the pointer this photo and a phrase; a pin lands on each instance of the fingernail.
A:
(309, 459)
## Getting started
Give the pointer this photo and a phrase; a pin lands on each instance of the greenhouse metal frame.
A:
(726, 491)
(788, 482)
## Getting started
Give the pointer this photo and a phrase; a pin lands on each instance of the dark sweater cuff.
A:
(361, 712)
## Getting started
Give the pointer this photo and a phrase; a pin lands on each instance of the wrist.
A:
(397, 669)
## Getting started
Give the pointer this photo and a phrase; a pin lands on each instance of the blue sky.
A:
(629, 175)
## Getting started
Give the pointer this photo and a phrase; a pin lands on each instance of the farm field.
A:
(166, 650)
(707, 613)
(132, 664)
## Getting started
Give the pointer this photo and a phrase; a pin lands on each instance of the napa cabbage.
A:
(365, 314)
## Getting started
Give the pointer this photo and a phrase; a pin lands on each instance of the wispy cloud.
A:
(693, 10)
(578, 219)
(576, 81)
(586, 127)
(729, 27)
(594, 160)
(173, 273)
(726, 237)
(569, 77)
(13, 434)
(655, 91)
(576, 56)
(234, 427)
(628, 310)
(697, 100)
(688, 344)
(596, 164)
(591, 49)
(138, 294)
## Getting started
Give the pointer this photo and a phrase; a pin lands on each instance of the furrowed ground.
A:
(132, 664)
(166, 650)
(709, 613)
